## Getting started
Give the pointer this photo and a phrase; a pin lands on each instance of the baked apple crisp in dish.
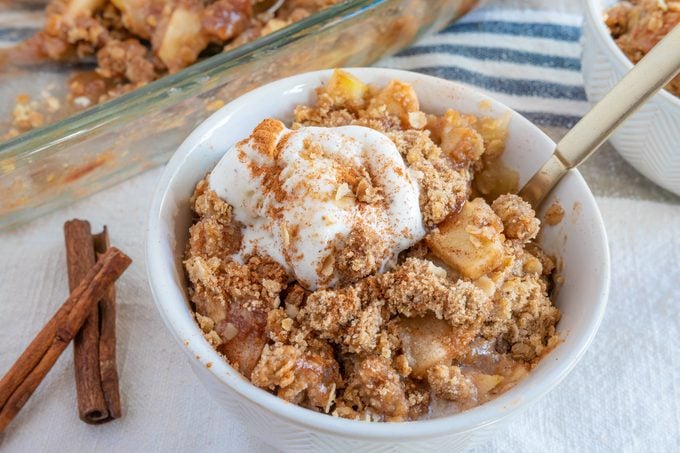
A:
(135, 42)
(350, 262)
(638, 25)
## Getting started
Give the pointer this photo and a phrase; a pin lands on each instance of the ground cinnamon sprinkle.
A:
(459, 318)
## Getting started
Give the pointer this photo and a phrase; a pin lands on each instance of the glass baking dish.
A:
(56, 164)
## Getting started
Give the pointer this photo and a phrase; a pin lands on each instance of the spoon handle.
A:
(647, 77)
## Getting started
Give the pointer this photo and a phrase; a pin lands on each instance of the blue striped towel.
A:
(19, 20)
(526, 58)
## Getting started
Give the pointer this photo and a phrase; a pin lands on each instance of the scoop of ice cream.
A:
(328, 204)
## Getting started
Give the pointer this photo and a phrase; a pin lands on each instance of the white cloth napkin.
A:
(623, 396)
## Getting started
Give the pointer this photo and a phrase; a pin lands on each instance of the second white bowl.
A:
(648, 140)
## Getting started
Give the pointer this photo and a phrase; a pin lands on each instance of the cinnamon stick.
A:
(107, 336)
(80, 257)
(29, 370)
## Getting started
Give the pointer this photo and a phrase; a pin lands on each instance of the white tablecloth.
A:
(623, 396)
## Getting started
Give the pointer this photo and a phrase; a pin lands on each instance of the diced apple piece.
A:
(137, 15)
(244, 336)
(428, 341)
(469, 241)
(459, 140)
(182, 40)
(399, 98)
(494, 131)
(345, 88)
(486, 382)
(517, 374)
(495, 179)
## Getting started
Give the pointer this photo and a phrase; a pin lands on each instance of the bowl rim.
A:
(183, 327)
(594, 17)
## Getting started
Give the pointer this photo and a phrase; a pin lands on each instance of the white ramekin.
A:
(650, 139)
(579, 241)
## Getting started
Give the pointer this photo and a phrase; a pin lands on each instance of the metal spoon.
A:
(654, 71)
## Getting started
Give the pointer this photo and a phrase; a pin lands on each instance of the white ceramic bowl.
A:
(579, 240)
(648, 140)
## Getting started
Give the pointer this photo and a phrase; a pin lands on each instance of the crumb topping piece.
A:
(449, 383)
(554, 214)
(519, 219)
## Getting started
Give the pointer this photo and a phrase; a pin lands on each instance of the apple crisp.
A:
(638, 25)
(450, 317)
(135, 42)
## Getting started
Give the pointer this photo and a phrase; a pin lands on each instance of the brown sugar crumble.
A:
(457, 319)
